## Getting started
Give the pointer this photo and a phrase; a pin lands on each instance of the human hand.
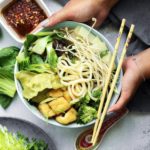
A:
(131, 81)
(83, 11)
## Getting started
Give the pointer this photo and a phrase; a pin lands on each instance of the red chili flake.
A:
(23, 15)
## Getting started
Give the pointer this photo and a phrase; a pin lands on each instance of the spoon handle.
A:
(83, 141)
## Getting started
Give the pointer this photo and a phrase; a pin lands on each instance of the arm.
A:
(82, 11)
(136, 68)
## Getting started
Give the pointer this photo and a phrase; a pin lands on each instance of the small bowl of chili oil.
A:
(21, 17)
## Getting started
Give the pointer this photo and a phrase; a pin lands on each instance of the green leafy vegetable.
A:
(86, 99)
(8, 57)
(104, 53)
(36, 59)
(7, 85)
(83, 101)
(10, 141)
(48, 33)
(37, 64)
(52, 57)
(96, 94)
(41, 96)
(34, 83)
(23, 60)
(7, 52)
(28, 42)
(55, 34)
(86, 114)
(87, 109)
(38, 68)
(5, 101)
(40, 44)
(94, 104)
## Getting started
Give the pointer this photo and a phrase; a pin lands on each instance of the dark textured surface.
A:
(28, 129)
(63, 2)
(141, 100)
(138, 13)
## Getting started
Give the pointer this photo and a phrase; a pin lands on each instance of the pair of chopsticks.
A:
(101, 115)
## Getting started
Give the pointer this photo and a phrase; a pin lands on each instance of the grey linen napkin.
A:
(138, 13)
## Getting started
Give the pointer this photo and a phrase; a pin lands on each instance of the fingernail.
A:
(110, 110)
(45, 23)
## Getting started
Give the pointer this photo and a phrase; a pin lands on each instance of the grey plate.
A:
(28, 129)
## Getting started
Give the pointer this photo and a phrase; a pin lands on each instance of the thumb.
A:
(101, 18)
(60, 16)
(123, 100)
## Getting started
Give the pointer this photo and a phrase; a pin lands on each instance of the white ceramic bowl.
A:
(8, 28)
(35, 111)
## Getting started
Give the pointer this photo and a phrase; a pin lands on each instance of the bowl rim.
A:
(34, 110)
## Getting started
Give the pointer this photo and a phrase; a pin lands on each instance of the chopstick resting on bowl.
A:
(101, 115)
(108, 76)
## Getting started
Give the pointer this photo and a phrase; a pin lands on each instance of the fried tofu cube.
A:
(67, 96)
(69, 117)
(60, 105)
(63, 89)
(51, 113)
(55, 93)
(46, 110)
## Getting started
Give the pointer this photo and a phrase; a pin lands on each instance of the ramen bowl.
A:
(34, 110)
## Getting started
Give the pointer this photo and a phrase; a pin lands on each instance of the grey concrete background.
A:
(131, 133)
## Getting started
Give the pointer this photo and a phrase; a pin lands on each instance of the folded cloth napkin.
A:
(141, 100)
(138, 13)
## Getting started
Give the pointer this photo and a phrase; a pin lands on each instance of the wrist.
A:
(139, 68)
(142, 60)
(132, 66)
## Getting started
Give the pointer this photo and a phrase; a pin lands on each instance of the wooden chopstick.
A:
(108, 77)
(113, 83)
